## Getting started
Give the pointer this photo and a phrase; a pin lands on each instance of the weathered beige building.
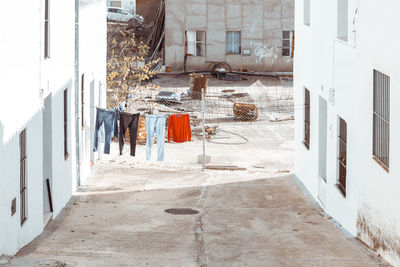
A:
(257, 35)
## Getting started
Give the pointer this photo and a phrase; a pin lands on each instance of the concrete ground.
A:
(245, 219)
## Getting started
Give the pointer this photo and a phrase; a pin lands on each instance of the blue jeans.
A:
(155, 124)
(109, 118)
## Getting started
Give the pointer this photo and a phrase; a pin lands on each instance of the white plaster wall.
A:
(57, 76)
(27, 79)
(370, 209)
(92, 62)
(260, 21)
(20, 107)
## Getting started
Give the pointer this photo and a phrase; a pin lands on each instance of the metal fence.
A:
(234, 123)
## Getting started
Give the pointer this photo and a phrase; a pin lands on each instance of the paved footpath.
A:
(244, 219)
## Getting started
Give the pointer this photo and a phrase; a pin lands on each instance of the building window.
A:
(196, 41)
(306, 118)
(307, 12)
(46, 29)
(381, 121)
(342, 19)
(22, 175)
(66, 153)
(288, 43)
(83, 100)
(115, 3)
(342, 156)
(233, 43)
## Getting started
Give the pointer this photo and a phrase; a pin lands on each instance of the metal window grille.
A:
(306, 118)
(66, 154)
(46, 29)
(22, 175)
(83, 100)
(342, 155)
(287, 43)
(381, 119)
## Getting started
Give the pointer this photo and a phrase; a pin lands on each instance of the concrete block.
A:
(200, 159)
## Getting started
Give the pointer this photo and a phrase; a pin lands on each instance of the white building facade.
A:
(346, 78)
(53, 76)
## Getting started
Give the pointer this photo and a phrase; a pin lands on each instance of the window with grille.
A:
(307, 12)
(66, 153)
(306, 140)
(22, 175)
(381, 119)
(342, 155)
(196, 43)
(83, 101)
(46, 29)
(233, 43)
(287, 43)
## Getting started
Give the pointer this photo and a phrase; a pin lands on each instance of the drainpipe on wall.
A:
(78, 160)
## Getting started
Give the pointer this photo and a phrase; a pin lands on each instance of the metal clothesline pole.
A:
(203, 107)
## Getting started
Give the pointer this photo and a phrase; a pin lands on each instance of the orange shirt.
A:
(179, 128)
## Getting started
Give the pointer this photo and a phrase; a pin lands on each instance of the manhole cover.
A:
(181, 211)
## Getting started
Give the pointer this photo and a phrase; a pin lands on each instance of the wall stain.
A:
(381, 239)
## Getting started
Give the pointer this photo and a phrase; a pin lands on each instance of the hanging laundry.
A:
(128, 121)
(155, 124)
(109, 118)
(179, 128)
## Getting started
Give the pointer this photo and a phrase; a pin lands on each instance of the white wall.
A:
(20, 107)
(27, 79)
(370, 208)
(92, 63)
(57, 76)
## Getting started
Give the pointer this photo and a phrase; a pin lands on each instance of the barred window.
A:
(66, 153)
(342, 156)
(381, 119)
(83, 101)
(287, 43)
(22, 175)
(46, 29)
(307, 118)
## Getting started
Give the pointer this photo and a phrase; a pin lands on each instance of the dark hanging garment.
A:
(131, 122)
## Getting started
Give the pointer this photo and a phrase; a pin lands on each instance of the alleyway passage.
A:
(244, 219)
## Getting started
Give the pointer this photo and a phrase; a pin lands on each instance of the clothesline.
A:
(179, 129)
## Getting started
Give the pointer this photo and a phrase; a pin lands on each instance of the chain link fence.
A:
(248, 122)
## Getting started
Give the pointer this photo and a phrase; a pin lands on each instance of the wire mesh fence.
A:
(247, 122)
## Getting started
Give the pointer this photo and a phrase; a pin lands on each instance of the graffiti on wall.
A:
(265, 52)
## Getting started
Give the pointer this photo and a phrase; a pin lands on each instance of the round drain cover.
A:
(181, 211)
